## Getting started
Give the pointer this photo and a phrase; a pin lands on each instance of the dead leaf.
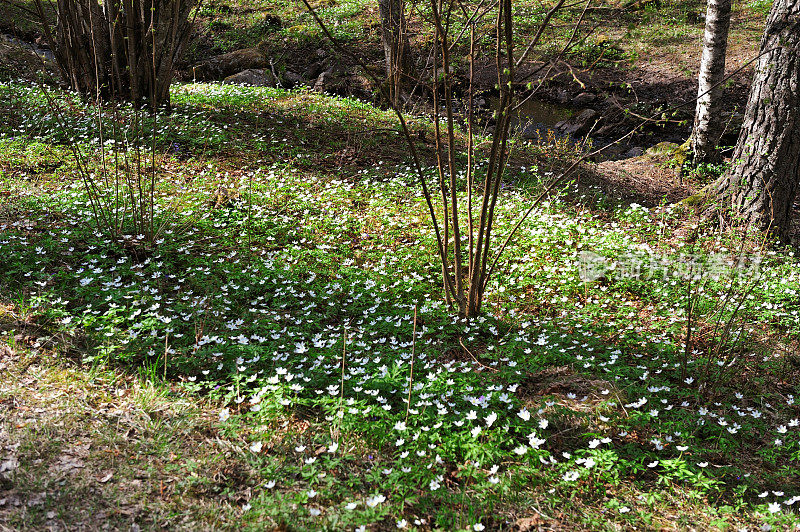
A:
(67, 463)
(527, 524)
(37, 499)
(9, 464)
(105, 478)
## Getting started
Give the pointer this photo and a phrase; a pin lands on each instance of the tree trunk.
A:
(395, 46)
(119, 49)
(762, 182)
(707, 130)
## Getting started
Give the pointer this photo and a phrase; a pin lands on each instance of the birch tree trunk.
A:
(707, 125)
(763, 180)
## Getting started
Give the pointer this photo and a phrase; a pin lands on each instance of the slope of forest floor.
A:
(278, 355)
(631, 59)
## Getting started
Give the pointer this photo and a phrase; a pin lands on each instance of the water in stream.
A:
(534, 117)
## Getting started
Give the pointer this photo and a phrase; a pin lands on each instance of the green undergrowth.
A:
(292, 289)
(613, 34)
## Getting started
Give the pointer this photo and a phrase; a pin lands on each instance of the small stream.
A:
(44, 53)
(534, 117)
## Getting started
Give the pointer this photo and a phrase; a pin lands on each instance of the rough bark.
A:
(119, 49)
(399, 69)
(763, 180)
(707, 124)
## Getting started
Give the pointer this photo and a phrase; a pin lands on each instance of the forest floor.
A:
(632, 60)
(93, 449)
(272, 353)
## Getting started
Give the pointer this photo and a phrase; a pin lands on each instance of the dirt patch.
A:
(565, 384)
(645, 180)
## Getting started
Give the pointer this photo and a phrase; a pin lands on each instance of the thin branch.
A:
(403, 126)
(474, 357)
(560, 179)
(536, 38)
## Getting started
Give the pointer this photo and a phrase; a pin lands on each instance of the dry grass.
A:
(85, 450)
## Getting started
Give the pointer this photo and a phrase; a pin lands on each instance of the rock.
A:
(361, 83)
(580, 124)
(583, 99)
(255, 77)
(321, 83)
(314, 70)
(292, 79)
(333, 80)
(610, 153)
(222, 66)
(673, 154)
(606, 130)
(663, 148)
(636, 151)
